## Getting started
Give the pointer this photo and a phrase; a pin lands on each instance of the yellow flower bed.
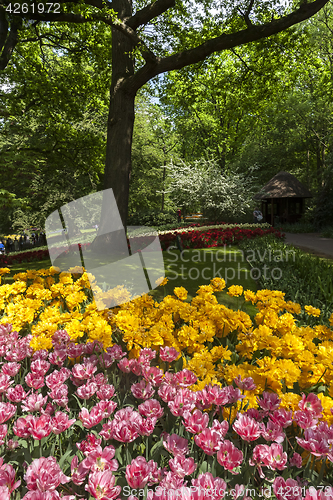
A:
(217, 343)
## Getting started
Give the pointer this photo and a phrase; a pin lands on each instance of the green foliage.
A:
(327, 232)
(298, 227)
(304, 279)
(154, 144)
(152, 218)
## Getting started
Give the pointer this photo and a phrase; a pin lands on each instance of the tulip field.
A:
(161, 400)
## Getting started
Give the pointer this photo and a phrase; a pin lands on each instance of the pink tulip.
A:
(12, 445)
(146, 426)
(269, 402)
(75, 350)
(282, 417)
(60, 422)
(101, 485)
(57, 378)
(4, 493)
(311, 403)
(5, 382)
(21, 427)
(105, 392)
(7, 477)
(313, 494)
(316, 440)
(287, 489)
(168, 354)
(175, 444)
(7, 411)
(146, 355)
(220, 427)
(138, 473)
(124, 365)
(100, 379)
(182, 466)
(11, 369)
(34, 381)
(142, 390)
(42, 354)
(102, 459)
(136, 367)
(34, 403)
(208, 440)
(87, 390)
(296, 460)
(247, 428)
(60, 337)
(208, 487)
(277, 458)
(3, 433)
(40, 427)
(167, 393)
(305, 419)
(257, 415)
(153, 375)
(89, 444)
(229, 456)
(16, 394)
(39, 367)
(124, 431)
(106, 407)
(273, 432)
(80, 471)
(185, 378)
(151, 408)
(44, 474)
(182, 401)
(247, 384)
(83, 371)
(59, 395)
(93, 418)
(58, 356)
(116, 352)
(195, 422)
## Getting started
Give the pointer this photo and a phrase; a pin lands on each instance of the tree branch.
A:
(149, 12)
(247, 13)
(3, 27)
(10, 43)
(223, 42)
(147, 54)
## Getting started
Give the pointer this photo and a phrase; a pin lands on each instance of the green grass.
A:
(189, 270)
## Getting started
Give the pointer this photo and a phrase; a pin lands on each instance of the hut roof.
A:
(283, 185)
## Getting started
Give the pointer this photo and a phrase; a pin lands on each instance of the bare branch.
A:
(149, 12)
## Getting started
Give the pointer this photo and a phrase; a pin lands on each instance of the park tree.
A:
(148, 39)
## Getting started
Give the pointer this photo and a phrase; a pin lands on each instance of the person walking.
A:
(257, 216)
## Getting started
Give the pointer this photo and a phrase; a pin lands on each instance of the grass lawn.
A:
(188, 269)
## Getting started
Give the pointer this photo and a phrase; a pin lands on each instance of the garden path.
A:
(312, 243)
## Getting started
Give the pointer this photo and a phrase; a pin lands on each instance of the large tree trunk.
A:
(119, 132)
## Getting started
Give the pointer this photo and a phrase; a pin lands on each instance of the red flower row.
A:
(215, 237)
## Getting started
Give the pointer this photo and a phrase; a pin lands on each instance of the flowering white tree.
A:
(202, 186)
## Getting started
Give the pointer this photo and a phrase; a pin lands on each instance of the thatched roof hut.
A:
(282, 199)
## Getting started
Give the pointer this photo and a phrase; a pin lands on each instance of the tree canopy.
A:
(128, 44)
